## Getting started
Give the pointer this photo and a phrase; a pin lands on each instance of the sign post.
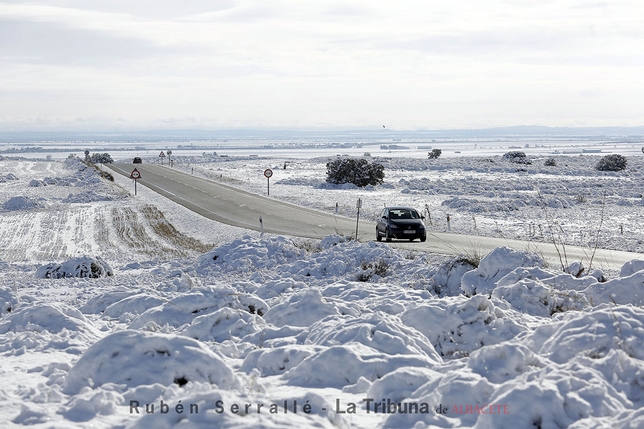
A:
(136, 176)
(162, 155)
(358, 205)
(268, 173)
(170, 158)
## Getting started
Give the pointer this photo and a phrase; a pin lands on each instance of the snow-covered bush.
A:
(101, 158)
(611, 163)
(550, 162)
(360, 172)
(77, 267)
(516, 157)
(136, 358)
(21, 203)
(434, 154)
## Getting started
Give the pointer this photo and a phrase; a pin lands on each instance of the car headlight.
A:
(393, 226)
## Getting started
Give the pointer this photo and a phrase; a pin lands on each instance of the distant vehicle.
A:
(137, 160)
(402, 223)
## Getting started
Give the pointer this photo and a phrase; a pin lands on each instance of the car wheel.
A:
(423, 238)
(387, 235)
(378, 237)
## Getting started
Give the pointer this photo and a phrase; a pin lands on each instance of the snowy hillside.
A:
(123, 311)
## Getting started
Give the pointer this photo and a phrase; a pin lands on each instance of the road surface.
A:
(243, 209)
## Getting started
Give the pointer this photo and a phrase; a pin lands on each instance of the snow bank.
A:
(494, 266)
(135, 358)
(249, 254)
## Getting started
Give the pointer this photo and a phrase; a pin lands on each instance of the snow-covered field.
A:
(196, 324)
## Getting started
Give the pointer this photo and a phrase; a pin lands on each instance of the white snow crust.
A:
(238, 329)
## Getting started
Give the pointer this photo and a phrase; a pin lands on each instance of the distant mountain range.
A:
(522, 131)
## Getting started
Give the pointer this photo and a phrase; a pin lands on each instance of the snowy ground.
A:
(217, 326)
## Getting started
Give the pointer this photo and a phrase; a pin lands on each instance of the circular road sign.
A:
(268, 173)
(135, 174)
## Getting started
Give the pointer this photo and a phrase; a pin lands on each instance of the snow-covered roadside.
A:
(347, 334)
(487, 196)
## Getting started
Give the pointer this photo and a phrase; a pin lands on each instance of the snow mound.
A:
(338, 257)
(591, 334)
(135, 358)
(502, 362)
(99, 303)
(536, 298)
(198, 302)
(44, 327)
(83, 266)
(86, 197)
(382, 332)
(46, 317)
(21, 203)
(8, 301)
(623, 290)
(446, 280)
(224, 324)
(400, 384)
(249, 254)
(135, 304)
(301, 309)
(8, 177)
(274, 361)
(344, 364)
(631, 267)
(456, 388)
(457, 326)
(494, 266)
(35, 183)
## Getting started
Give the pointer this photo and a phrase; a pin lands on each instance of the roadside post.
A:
(449, 225)
(261, 226)
(358, 205)
(170, 158)
(268, 173)
(135, 175)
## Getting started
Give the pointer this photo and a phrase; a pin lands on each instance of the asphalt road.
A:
(243, 209)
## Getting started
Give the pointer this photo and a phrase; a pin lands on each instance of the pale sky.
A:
(161, 64)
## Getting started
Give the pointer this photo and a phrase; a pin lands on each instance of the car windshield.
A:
(403, 214)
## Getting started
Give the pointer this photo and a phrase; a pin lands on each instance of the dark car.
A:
(402, 223)
(137, 160)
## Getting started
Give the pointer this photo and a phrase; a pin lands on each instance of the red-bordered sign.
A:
(135, 174)
(268, 173)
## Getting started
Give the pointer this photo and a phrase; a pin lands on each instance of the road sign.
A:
(268, 173)
(162, 155)
(136, 176)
